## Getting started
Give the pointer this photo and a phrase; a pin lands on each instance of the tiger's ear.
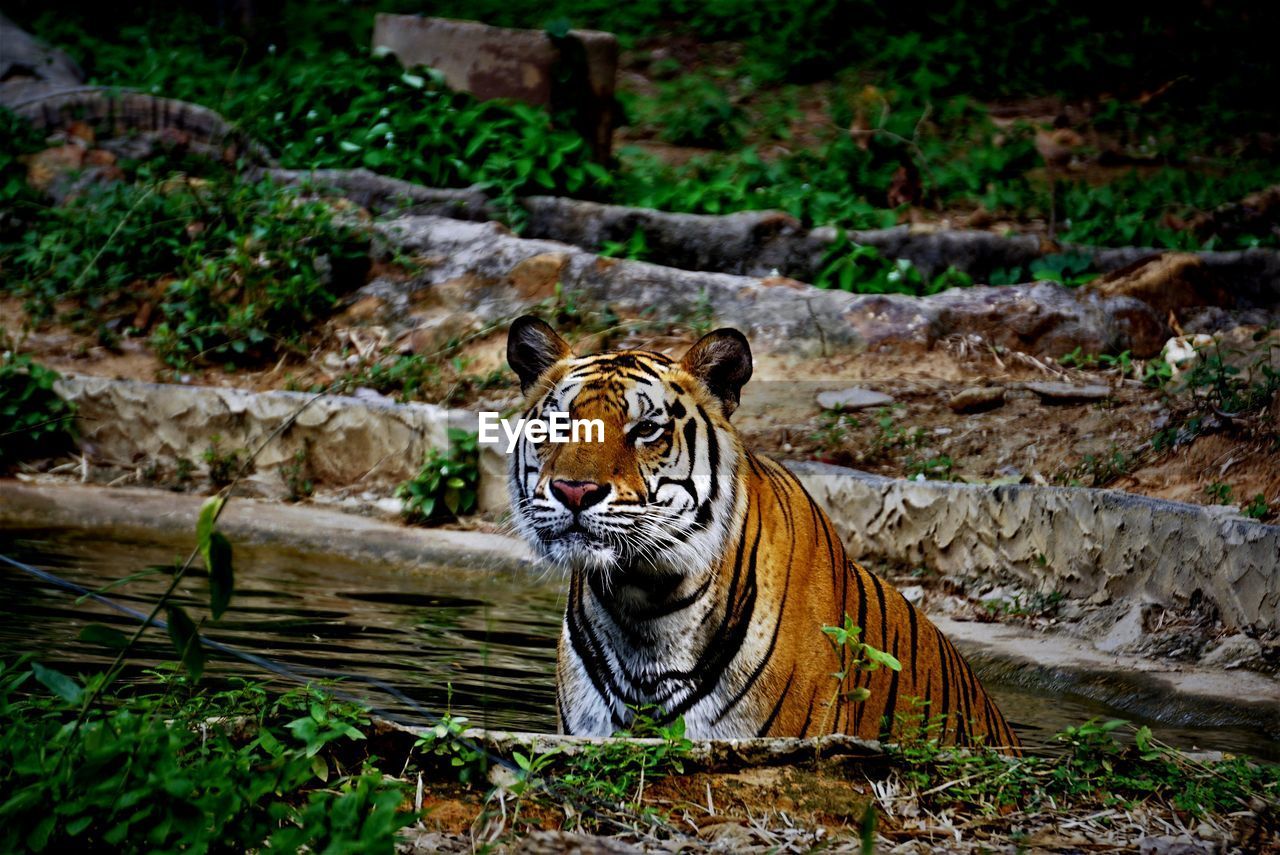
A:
(532, 348)
(722, 361)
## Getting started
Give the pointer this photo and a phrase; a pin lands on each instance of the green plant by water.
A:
(447, 484)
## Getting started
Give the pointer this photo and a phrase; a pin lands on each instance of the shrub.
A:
(447, 484)
(34, 420)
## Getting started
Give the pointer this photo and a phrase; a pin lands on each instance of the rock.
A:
(1126, 632)
(1181, 350)
(523, 65)
(913, 594)
(1171, 282)
(1170, 845)
(44, 167)
(1061, 393)
(976, 399)
(853, 398)
(435, 334)
(536, 277)
(1235, 651)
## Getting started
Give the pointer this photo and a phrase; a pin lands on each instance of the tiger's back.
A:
(819, 586)
(700, 574)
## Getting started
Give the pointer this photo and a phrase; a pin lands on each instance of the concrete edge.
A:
(1099, 546)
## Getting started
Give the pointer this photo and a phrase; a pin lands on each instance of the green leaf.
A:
(888, 660)
(186, 641)
(96, 633)
(208, 516)
(58, 683)
(217, 559)
(320, 767)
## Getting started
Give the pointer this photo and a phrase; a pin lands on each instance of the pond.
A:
(481, 642)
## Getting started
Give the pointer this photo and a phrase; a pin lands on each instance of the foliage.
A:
(864, 270)
(856, 658)
(1036, 605)
(17, 198)
(695, 110)
(415, 377)
(238, 269)
(146, 773)
(1087, 765)
(276, 265)
(937, 468)
(613, 769)
(87, 769)
(223, 464)
(297, 477)
(834, 429)
(34, 420)
(1258, 507)
(444, 740)
(446, 485)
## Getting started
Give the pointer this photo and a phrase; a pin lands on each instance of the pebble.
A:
(976, 399)
(1233, 652)
(1068, 392)
(853, 398)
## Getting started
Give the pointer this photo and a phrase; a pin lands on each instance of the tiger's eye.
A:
(645, 429)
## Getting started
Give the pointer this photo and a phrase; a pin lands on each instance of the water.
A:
(481, 642)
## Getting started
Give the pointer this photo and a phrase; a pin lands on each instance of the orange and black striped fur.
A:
(700, 574)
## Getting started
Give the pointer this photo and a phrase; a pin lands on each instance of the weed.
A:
(834, 429)
(856, 658)
(34, 420)
(297, 476)
(1258, 508)
(446, 486)
(891, 436)
(1037, 605)
(933, 469)
(1091, 766)
(1102, 469)
(1157, 373)
(696, 110)
(444, 741)
(635, 248)
(147, 772)
(613, 770)
(1219, 493)
(222, 465)
(185, 469)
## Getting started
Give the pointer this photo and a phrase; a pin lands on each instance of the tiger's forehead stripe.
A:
(606, 380)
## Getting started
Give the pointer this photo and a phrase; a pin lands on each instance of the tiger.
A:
(700, 574)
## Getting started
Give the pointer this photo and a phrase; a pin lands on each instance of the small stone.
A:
(1235, 651)
(1067, 392)
(853, 398)
(389, 506)
(976, 399)
(913, 594)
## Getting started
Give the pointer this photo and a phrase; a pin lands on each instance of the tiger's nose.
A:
(579, 495)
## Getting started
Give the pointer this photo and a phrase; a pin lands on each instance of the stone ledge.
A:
(1098, 546)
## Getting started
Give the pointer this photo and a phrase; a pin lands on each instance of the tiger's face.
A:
(656, 491)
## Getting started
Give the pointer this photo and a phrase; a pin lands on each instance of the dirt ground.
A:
(805, 808)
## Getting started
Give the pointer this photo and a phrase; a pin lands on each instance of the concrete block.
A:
(575, 72)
